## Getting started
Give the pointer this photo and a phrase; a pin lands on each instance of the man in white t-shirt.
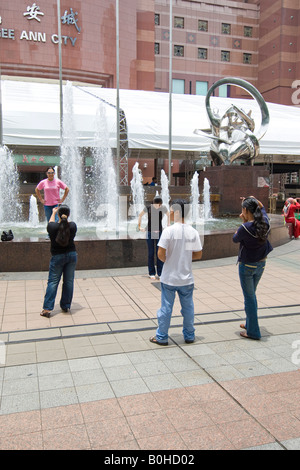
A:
(179, 245)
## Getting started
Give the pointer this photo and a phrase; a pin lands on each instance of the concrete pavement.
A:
(90, 379)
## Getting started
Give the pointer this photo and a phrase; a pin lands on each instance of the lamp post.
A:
(1, 120)
(60, 71)
(118, 87)
(170, 88)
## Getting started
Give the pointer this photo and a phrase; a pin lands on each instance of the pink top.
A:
(51, 190)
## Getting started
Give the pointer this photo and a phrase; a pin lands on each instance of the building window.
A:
(156, 19)
(203, 25)
(225, 56)
(201, 88)
(224, 91)
(156, 48)
(178, 22)
(226, 28)
(247, 59)
(179, 51)
(178, 86)
(248, 31)
(202, 53)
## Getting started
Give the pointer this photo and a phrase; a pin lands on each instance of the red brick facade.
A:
(260, 42)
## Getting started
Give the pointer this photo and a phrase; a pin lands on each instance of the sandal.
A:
(154, 340)
(244, 335)
(45, 313)
(243, 326)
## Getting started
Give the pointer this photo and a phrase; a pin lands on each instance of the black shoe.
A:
(65, 309)
(189, 341)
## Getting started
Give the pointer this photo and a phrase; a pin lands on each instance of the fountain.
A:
(33, 212)
(165, 195)
(206, 200)
(104, 202)
(137, 191)
(105, 237)
(194, 215)
(71, 160)
(10, 209)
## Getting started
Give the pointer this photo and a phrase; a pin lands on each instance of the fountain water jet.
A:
(10, 208)
(105, 197)
(71, 161)
(33, 212)
(165, 195)
(195, 198)
(137, 191)
(206, 200)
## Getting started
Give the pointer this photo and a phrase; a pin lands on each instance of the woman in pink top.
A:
(51, 187)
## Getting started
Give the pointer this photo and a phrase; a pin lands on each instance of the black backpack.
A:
(7, 236)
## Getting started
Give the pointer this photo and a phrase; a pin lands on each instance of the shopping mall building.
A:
(253, 40)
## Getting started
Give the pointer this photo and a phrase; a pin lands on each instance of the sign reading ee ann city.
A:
(34, 14)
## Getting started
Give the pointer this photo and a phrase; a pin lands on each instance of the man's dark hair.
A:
(157, 200)
(182, 205)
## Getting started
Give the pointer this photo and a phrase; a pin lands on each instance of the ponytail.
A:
(63, 234)
(260, 224)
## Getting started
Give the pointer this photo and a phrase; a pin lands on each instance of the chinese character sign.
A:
(33, 13)
(70, 18)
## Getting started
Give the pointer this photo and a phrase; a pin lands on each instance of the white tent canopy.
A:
(31, 117)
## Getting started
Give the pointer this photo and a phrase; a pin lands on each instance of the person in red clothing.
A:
(290, 206)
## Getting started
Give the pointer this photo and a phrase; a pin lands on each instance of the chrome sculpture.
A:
(233, 134)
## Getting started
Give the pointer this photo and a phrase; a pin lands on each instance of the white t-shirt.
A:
(179, 241)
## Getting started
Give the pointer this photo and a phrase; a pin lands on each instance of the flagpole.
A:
(170, 89)
(1, 119)
(60, 71)
(118, 88)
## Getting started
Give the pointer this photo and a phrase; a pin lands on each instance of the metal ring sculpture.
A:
(236, 140)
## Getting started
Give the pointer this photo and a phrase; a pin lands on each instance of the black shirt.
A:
(155, 217)
(57, 249)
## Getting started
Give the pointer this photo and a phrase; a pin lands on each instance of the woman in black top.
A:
(63, 260)
(254, 249)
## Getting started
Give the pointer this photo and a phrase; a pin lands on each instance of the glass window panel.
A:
(202, 25)
(226, 28)
(178, 22)
(179, 51)
(224, 91)
(202, 53)
(201, 88)
(178, 86)
(248, 31)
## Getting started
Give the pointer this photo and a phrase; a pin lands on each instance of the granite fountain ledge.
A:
(26, 255)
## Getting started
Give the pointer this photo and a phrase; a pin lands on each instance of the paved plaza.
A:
(90, 379)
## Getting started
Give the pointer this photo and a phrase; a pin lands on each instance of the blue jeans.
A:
(165, 312)
(250, 275)
(152, 242)
(61, 265)
(48, 212)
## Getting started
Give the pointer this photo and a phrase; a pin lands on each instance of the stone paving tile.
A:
(69, 385)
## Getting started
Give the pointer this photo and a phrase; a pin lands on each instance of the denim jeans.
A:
(250, 275)
(165, 312)
(152, 252)
(61, 265)
(48, 212)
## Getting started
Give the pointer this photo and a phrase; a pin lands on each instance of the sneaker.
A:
(152, 278)
(189, 341)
